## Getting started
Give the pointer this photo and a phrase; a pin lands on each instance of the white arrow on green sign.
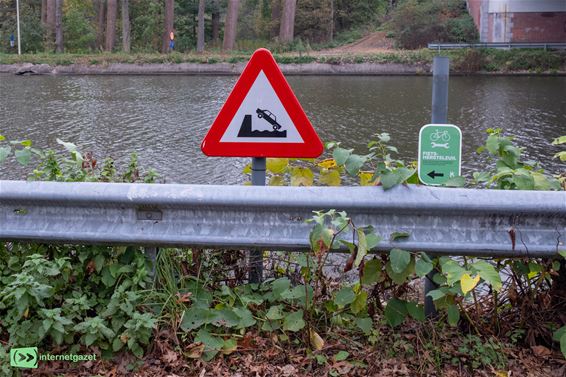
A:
(440, 153)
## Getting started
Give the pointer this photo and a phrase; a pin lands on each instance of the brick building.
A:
(519, 20)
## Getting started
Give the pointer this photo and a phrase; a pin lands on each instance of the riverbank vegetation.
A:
(315, 314)
(462, 61)
(314, 31)
(144, 26)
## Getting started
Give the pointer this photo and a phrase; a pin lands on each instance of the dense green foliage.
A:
(315, 22)
(104, 297)
(417, 23)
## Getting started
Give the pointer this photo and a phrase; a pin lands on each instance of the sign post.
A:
(440, 152)
(261, 118)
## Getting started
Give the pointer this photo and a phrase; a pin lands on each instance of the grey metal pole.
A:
(18, 23)
(440, 75)
(256, 256)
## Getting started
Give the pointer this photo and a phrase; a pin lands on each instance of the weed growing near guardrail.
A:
(201, 307)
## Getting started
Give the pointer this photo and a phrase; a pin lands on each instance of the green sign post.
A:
(440, 153)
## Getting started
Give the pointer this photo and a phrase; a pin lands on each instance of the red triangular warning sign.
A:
(262, 117)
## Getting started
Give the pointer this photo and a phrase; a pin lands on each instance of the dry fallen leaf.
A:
(195, 350)
(316, 341)
(541, 351)
(169, 357)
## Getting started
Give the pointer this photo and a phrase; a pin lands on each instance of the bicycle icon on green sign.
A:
(438, 135)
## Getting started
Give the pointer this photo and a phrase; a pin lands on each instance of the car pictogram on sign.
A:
(270, 117)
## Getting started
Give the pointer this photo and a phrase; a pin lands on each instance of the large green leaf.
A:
(294, 321)
(453, 315)
(275, 312)
(365, 324)
(23, 156)
(452, 270)
(523, 182)
(372, 272)
(488, 273)
(195, 317)
(341, 155)
(395, 177)
(362, 247)
(401, 277)
(345, 296)
(4, 153)
(416, 311)
(395, 312)
(423, 266)
(360, 302)
(354, 163)
(400, 259)
(492, 144)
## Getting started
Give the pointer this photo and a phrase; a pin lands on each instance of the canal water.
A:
(164, 118)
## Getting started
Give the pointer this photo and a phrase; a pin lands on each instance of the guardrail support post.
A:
(151, 253)
(256, 256)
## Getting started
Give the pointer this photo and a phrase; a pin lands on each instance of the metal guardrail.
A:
(439, 220)
(498, 45)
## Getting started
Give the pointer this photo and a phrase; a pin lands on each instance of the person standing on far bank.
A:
(12, 40)
(171, 41)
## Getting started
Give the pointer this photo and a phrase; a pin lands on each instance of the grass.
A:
(464, 61)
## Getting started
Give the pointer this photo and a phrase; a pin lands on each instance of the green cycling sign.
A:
(440, 153)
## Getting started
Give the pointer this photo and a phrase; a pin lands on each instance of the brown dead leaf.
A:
(183, 298)
(195, 350)
(541, 351)
(342, 367)
(169, 357)
(287, 370)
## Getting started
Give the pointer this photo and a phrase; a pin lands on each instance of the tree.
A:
(43, 12)
(287, 29)
(111, 13)
(215, 23)
(200, 38)
(101, 23)
(59, 26)
(125, 26)
(230, 25)
(168, 24)
(275, 18)
(50, 25)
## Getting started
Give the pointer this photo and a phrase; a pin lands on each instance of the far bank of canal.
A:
(164, 117)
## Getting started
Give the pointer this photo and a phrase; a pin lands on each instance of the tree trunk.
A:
(43, 12)
(200, 38)
(287, 29)
(50, 26)
(275, 18)
(59, 26)
(215, 27)
(111, 14)
(101, 24)
(231, 25)
(168, 24)
(126, 25)
(331, 22)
